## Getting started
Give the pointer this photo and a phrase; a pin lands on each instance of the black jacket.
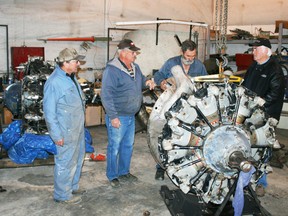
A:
(267, 81)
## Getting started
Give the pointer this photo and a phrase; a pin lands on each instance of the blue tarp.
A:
(88, 141)
(24, 149)
(11, 134)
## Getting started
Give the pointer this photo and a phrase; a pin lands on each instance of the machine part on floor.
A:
(37, 72)
(12, 99)
(25, 98)
(204, 134)
(32, 106)
(97, 157)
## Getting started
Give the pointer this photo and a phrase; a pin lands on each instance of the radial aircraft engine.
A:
(204, 132)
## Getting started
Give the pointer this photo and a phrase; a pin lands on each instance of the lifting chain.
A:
(221, 14)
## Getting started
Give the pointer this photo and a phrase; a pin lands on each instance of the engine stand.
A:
(180, 204)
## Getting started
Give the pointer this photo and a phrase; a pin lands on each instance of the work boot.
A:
(75, 200)
(276, 164)
(159, 175)
(115, 183)
(260, 190)
(128, 177)
(2, 189)
(79, 192)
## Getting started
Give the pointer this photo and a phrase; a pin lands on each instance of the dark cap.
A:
(69, 54)
(128, 44)
(261, 42)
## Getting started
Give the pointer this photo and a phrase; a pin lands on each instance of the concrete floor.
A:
(30, 189)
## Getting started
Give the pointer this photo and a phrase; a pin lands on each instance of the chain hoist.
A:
(221, 12)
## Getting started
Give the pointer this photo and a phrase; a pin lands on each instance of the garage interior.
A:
(32, 35)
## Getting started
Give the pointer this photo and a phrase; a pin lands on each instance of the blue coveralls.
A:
(64, 113)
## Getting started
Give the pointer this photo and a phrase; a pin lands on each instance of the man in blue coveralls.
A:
(64, 112)
(121, 96)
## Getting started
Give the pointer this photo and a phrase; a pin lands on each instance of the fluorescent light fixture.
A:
(160, 22)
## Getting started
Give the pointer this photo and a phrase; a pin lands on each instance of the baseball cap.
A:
(126, 43)
(261, 42)
(69, 54)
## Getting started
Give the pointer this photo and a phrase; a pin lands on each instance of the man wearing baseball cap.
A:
(265, 77)
(121, 96)
(64, 111)
(127, 44)
(69, 54)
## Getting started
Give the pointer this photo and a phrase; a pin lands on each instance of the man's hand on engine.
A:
(163, 85)
(151, 84)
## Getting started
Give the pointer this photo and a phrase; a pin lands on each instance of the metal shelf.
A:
(280, 25)
(273, 41)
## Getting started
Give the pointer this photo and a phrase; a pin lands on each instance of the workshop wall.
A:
(153, 56)
(30, 20)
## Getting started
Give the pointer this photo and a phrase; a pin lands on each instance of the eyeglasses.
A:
(132, 52)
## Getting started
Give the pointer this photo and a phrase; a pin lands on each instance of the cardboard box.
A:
(103, 116)
(7, 116)
(93, 115)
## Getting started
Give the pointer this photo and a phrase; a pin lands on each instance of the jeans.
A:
(120, 146)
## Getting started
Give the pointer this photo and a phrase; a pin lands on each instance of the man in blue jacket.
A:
(121, 96)
(187, 60)
(64, 111)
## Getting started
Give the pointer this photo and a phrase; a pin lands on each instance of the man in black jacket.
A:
(265, 77)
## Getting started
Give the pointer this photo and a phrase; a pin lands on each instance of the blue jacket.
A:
(197, 68)
(121, 95)
(63, 106)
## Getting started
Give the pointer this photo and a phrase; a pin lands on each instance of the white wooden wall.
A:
(29, 20)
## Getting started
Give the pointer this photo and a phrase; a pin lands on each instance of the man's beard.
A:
(186, 62)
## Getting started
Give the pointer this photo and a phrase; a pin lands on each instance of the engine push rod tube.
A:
(176, 147)
(204, 117)
(219, 110)
(189, 128)
(195, 179)
(191, 163)
(236, 110)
